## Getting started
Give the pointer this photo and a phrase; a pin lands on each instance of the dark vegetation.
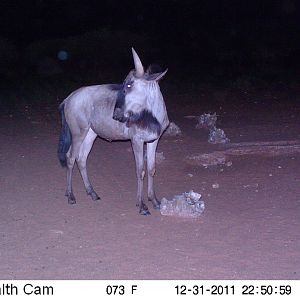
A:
(49, 48)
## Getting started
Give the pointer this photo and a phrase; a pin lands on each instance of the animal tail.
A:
(65, 138)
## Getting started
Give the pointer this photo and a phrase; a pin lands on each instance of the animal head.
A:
(139, 92)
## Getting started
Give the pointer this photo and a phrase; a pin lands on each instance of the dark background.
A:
(63, 44)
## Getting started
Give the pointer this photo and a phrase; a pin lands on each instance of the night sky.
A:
(220, 38)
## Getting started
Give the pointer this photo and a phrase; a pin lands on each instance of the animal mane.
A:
(145, 120)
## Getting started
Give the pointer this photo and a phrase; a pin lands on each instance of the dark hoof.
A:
(71, 199)
(144, 210)
(155, 203)
(95, 197)
(90, 191)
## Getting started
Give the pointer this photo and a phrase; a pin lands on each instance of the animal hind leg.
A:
(71, 157)
(72, 154)
(84, 151)
(151, 150)
(70, 166)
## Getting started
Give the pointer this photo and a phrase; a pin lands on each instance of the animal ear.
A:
(139, 69)
(153, 68)
(156, 76)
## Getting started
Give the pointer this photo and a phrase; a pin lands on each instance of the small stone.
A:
(228, 163)
(184, 205)
(217, 136)
(173, 130)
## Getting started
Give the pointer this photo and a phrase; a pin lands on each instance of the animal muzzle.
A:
(118, 115)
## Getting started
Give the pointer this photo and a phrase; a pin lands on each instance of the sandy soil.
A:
(250, 228)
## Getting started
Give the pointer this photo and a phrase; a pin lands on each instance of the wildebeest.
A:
(134, 110)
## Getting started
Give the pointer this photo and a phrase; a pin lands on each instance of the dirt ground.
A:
(250, 228)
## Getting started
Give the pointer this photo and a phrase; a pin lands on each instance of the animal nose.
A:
(118, 115)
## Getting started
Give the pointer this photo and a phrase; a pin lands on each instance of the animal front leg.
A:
(151, 150)
(137, 145)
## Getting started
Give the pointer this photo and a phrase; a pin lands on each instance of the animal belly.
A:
(112, 130)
